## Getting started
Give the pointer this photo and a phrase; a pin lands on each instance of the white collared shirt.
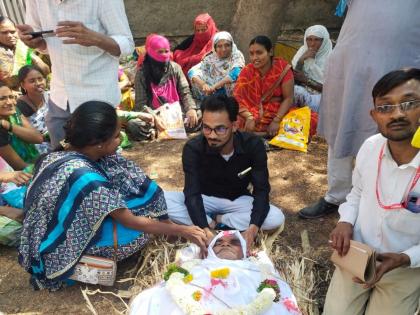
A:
(396, 231)
(79, 73)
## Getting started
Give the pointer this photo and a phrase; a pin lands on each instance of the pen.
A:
(244, 172)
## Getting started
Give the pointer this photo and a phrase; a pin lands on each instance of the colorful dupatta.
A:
(200, 46)
(67, 208)
(26, 151)
(251, 86)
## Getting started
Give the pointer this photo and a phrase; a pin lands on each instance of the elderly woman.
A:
(309, 64)
(17, 136)
(219, 70)
(193, 49)
(160, 81)
(264, 89)
(14, 54)
(78, 195)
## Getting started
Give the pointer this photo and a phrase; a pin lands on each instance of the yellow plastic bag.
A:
(416, 139)
(294, 130)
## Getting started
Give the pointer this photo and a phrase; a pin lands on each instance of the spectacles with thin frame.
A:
(219, 130)
(404, 107)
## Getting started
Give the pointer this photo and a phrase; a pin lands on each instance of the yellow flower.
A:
(222, 273)
(188, 278)
(197, 295)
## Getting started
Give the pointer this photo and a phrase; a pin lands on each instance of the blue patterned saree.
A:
(67, 208)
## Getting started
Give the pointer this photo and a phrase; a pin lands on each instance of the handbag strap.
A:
(271, 90)
(114, 232)
(276, 84)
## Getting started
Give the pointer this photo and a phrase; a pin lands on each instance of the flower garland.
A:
(172, 268)
(267, 283)
(175, 277)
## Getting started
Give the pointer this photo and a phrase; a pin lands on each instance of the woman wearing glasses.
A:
(17, 136)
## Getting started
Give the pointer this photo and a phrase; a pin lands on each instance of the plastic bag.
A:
(171, 115)
(9, 231)
(294, 130)
(415, 142)
(14, 195)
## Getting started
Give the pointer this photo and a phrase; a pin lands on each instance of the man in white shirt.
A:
(90, 38)
(382, 209)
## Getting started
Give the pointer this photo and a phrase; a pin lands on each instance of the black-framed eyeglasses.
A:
(219, 130)
(404, 107)
(6, 97)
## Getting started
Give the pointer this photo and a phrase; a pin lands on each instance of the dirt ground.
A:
(297, 179)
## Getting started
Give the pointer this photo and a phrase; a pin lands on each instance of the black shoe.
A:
(318, 210)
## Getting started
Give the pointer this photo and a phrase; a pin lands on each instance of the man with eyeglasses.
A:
(219, 166)
(382, 209)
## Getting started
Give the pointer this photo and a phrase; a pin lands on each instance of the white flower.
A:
(183, 298)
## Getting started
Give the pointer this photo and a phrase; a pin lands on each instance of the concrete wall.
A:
(174, 19)
(244, 18)
(272, 17)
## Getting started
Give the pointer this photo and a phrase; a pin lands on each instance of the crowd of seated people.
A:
(207, 64)
(85, 184)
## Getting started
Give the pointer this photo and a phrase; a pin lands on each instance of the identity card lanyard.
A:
(410, 187)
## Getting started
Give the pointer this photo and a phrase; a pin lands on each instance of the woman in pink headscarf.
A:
(192, 50)
(160, 81)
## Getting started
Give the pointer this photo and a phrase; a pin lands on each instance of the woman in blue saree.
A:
(77, 193)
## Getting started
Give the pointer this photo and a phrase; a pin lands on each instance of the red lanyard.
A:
(393, 206)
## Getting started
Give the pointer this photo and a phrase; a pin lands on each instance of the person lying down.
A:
(226, 282)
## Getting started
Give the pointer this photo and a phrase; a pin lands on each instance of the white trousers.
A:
(303, 98)
(236, 213)
(339, 172)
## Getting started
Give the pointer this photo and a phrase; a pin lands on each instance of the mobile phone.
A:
(42, 34)
(412, 202)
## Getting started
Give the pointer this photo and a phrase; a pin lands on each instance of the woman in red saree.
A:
(260, 79)
(192, 50)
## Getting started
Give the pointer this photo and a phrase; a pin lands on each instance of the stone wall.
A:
(174, 19)
(243, 18)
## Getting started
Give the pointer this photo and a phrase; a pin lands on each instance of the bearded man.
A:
(219, 166)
